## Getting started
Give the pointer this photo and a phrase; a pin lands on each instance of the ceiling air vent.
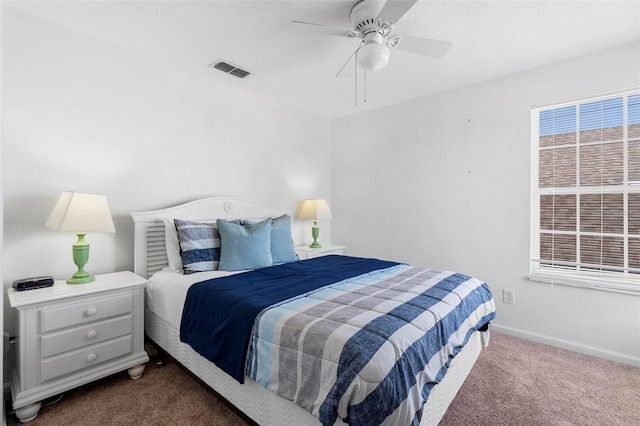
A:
(229, 69)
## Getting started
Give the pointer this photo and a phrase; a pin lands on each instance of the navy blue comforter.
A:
(219, 313)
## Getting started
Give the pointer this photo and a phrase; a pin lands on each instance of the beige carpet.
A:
(514, 382)
(162, 396)
(518, 382)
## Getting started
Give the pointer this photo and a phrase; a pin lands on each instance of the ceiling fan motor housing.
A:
(364, 17)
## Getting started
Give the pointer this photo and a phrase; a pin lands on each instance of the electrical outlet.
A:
(508, 297)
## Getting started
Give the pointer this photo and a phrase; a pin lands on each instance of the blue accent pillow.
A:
(282, 250)
(244, 246)
(199, 246)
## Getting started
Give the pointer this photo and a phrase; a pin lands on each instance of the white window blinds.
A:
(586, 193)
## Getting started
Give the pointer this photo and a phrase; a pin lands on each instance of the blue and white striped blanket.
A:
(368, 349)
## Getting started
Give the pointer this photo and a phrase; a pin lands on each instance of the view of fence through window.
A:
(587, 194)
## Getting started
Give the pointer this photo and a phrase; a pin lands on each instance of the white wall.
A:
(3, 419)
(443, 181)
(81, 114)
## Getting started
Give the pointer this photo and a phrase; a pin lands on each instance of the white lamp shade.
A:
(315, 209)
(373, 56)
(77, 212)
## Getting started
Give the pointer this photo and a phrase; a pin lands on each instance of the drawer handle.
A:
(91, 312)
(92, 357)
(92, 334)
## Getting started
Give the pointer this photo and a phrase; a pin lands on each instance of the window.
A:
(585, 217)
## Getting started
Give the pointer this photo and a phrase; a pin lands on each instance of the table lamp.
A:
(315, 209)
(81, 213)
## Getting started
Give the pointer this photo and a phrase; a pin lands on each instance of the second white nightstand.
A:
(69, 335)
(306, 252)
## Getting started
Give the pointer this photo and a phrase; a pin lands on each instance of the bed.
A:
(168, 290)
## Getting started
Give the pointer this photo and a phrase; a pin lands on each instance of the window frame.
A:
(625, 281)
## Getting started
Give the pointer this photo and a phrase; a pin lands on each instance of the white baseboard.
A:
(572, 346)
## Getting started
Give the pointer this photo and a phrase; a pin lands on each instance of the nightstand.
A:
(69, 335)
(306, 252)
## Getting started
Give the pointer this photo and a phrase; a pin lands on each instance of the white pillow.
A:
(172, 245)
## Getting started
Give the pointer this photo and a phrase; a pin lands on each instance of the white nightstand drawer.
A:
(90, 356)
(88, 310)
(55, 343)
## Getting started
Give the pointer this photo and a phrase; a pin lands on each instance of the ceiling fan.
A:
(373, 22)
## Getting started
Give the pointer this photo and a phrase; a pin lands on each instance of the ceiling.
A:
(297, 64)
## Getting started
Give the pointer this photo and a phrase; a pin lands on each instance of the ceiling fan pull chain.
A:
(365, 86)
(355, 66)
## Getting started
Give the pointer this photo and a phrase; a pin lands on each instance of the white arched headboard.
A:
(150, 254)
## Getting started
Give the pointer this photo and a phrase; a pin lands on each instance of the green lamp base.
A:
(81, 280)
(315, 231)
(80, 258)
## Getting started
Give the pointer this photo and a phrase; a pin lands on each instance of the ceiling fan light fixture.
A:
(373, 56)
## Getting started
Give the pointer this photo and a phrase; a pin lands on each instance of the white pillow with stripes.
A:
(199, 245)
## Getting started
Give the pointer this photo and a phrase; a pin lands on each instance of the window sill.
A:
(588, 282)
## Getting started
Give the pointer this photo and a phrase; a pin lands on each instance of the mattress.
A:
(167, 291)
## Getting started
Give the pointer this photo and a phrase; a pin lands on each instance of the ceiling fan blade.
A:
(347, 62)
(326, 29)
(424, 46)
(393, 10)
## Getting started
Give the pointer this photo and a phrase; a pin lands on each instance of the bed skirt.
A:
(266, 408)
